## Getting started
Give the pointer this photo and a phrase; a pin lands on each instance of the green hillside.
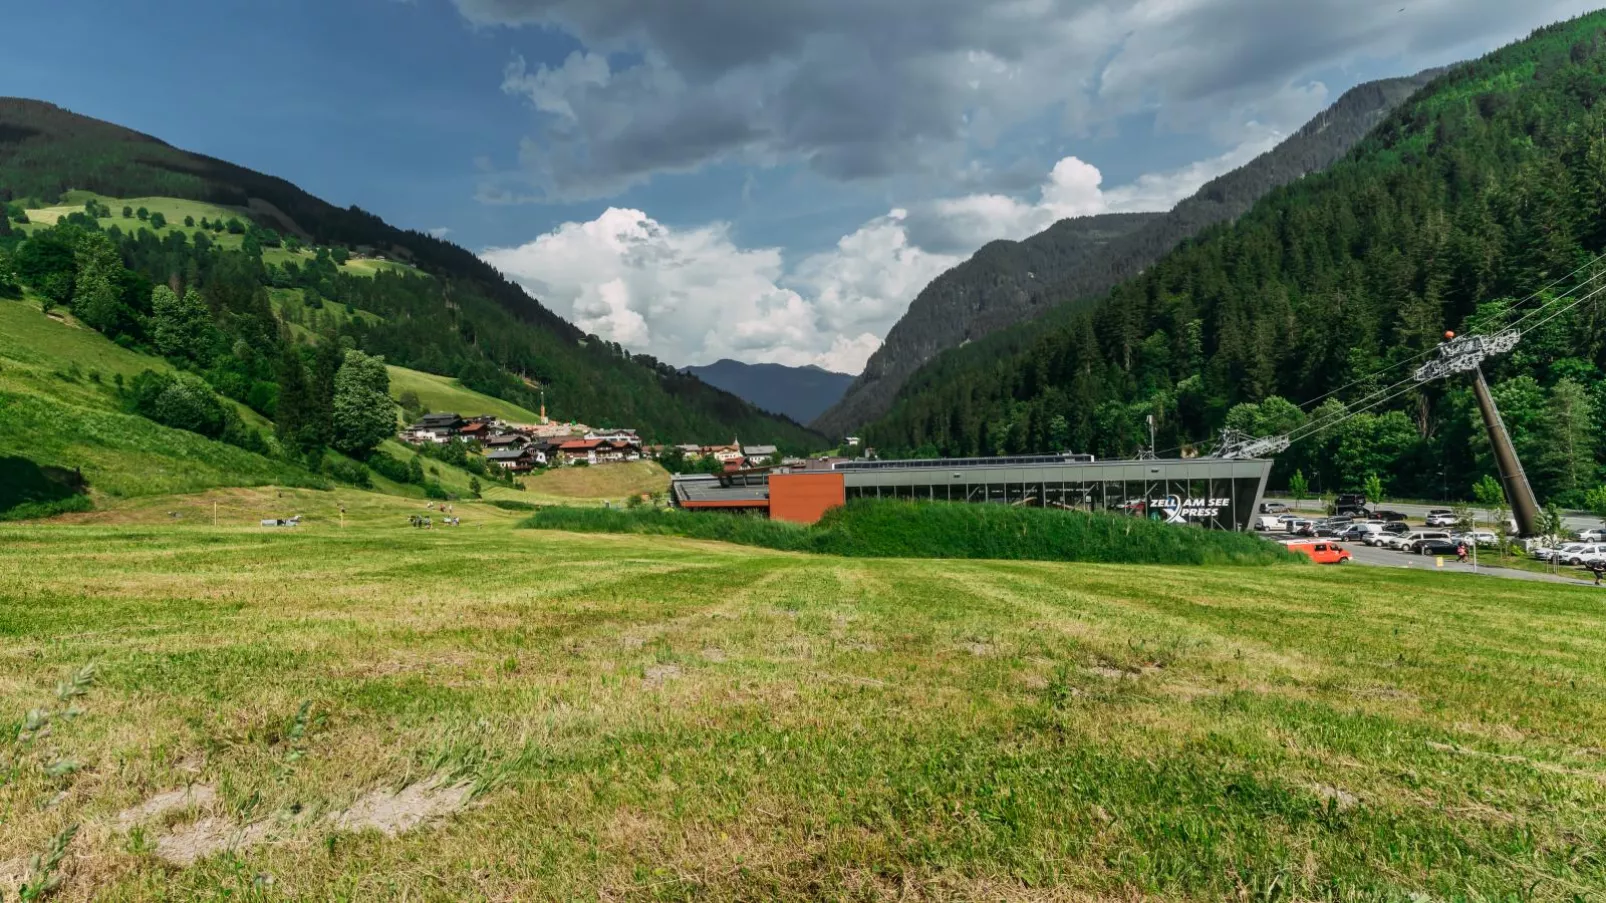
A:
(442, 393)
(176, 212)
(441, 309)
(62, 413)
(1481, 190)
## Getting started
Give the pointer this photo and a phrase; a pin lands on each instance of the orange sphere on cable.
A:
(1448, 336)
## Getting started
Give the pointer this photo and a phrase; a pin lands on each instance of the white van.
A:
(1268, 524)
(1403, 543)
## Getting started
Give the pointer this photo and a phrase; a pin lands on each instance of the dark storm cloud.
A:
(866, 88)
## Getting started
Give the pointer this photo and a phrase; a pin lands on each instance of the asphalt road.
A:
(1367, 556)
(1371, 557)
(1574, 522)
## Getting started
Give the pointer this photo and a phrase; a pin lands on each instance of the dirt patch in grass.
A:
(390, 812)
(1343, 799)
(195, 796)
(394, 812)
(209, 836)
(657, 675)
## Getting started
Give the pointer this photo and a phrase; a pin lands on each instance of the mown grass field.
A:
(545, 715)
(604, 482)
(443, 394)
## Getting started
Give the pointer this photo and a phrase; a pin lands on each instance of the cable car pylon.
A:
(1462, 354)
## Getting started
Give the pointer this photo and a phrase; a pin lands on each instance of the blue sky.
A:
(742, 178)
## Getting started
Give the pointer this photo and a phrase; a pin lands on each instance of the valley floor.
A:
(376, 711)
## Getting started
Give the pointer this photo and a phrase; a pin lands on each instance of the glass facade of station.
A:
(1218, 494)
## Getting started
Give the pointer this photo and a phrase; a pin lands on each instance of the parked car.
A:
(1594, 534)
(1563, 550)
(1478, 538)
(1321, 552)
(1266, 524)
(1350, 503)
(1439, 546)
(1407, 542)
(1388, 531)
(1577, 557)
(1294, 525)
(1273, 508)
(1388, 516)
(1441, 517)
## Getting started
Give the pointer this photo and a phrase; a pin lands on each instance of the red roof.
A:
(580, 445)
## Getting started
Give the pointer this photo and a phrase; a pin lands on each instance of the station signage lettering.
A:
(1180, 510)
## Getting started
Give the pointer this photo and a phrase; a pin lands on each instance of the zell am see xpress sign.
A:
(1178, 510)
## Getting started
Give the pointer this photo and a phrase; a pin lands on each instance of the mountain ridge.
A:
(1002, 297)
(801, 393)
(477, 325)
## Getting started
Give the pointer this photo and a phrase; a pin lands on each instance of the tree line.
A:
(1486, 186)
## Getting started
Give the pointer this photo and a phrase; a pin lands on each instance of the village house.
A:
(724, 454)
(690, 452)
(437, 428)
(518, 460)
(759, 455)
(506, 440)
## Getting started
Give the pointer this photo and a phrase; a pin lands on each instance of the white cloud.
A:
(1073, 188)
(692, 296)
(440, 232)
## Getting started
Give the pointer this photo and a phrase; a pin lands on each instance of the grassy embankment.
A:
(633, 717)
(885, 529)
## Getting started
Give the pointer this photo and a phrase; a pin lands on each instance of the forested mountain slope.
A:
(1485, 187)
(464, 320)
(1007, 283)
(801, 393)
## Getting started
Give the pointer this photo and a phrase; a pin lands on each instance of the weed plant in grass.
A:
(869, 528)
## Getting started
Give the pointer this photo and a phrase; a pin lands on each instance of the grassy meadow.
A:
(59, 409)
(444, 394)
(484, 712)
(605, 482)
(174, 210)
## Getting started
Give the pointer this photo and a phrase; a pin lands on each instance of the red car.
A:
(1322, 552)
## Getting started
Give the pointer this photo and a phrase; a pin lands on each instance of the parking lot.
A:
(1483, 562)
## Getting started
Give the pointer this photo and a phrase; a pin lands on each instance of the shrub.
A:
(869, 528)
(512, 505)
(348, 472)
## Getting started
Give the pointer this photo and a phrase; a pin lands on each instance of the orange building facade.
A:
(804, 498)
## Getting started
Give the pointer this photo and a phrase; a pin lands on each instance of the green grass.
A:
(59, 409)
(602, 482)
(445, 394)
(867, 528)
(175, 209)
(650, 718)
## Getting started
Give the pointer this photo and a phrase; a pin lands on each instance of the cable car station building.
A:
(1221, 494)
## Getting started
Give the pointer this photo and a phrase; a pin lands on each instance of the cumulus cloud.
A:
(1073, 188)
(865, 88)
(692, 296)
